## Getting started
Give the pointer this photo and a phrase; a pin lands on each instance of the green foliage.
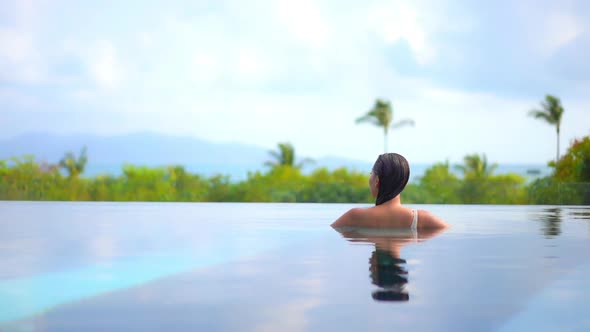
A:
(504, 189)
(339, 186)
(476, 167)
(551, 111)
(439, 185)
(478, 186)
(72, 165)
(574, 166)
(547, 191)
(25, 179)
(570, 181)
(285, 156)
(380, 115)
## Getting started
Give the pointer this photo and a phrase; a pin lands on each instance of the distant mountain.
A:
(333, 162)
(138, 148)
(107, 153)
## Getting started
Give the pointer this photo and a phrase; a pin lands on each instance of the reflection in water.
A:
(551, 218)
(387, 268)
(388, 274)
(580, 214)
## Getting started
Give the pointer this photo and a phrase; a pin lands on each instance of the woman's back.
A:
(390, 215)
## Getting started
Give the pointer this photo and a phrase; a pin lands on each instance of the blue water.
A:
(244, 267)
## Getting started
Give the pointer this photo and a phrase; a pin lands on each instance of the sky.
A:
(264, 72)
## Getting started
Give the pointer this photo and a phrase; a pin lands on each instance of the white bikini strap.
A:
(415, 219)
(414, 227)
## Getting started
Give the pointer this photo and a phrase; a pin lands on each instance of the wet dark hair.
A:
(393, 171)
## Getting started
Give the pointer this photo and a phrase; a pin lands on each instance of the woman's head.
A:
(389, 177)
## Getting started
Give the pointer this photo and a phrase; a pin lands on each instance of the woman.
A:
(389, 177)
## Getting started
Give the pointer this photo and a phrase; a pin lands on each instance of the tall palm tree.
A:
(476, 166)
(551, 112)
(381, 115)
(74, 166)
(285, 156)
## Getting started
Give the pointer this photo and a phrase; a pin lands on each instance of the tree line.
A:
(283, 181)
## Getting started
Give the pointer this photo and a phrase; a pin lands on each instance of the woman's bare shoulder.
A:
(427, 219)
(352, 217)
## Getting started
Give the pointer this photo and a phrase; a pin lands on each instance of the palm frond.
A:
(476, 166)
(380, 115)
(543, 115)
(551, 110)
(403, 123)
(276, 155)
(284, 156)
(369, 117)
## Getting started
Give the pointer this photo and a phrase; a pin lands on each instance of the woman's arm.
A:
(428, 220)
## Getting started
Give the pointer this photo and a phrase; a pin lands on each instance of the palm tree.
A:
(476, 172)
(285, 156)
(74, 166)
(551, 111)
(381, 115)
(476, 166)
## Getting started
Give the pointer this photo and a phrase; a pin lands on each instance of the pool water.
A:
(281, 267)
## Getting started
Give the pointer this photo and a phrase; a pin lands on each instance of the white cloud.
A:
(212, 71)
(549, 26)
(18, 99)
(205, 68)
(394, 21)
(28, 11)
(83, 95)
(252, 65)
(218, 55)
(104, 66)
(304, 21)
(146, 40)
(19, 58)
(15, 46)
(558, 30)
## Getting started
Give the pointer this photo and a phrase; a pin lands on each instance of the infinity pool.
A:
(281, 267)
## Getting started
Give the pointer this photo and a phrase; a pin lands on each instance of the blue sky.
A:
(263, 72)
